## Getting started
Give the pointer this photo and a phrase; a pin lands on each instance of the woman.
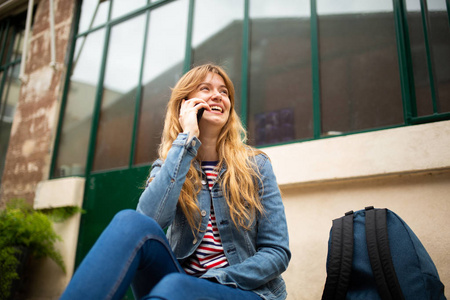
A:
(218, 200)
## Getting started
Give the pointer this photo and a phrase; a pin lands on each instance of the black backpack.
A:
(373, 254)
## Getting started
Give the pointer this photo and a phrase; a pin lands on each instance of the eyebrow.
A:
(207, 83)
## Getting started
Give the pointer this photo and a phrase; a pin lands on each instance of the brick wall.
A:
(34, 126)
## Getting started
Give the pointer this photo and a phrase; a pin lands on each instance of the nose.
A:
(217, 96)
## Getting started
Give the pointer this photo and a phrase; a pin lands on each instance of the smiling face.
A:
(214, 91)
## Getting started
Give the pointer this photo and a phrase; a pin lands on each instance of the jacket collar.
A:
(198, 168)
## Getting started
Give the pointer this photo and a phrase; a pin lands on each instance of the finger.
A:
(182, 105)
(194, 101)
(202, 106)
(199, 103)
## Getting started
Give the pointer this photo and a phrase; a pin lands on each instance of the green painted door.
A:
(106, 194)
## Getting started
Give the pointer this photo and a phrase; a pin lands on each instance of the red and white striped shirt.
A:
(209, 254)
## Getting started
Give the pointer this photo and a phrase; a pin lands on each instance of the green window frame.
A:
(410, 116)
(405, 52)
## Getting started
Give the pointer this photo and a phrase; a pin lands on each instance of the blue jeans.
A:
(133, 250)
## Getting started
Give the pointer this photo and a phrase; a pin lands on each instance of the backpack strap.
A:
(340, 258)
(380, 255)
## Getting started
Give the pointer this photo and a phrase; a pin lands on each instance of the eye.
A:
(225, 92)
(204, 88)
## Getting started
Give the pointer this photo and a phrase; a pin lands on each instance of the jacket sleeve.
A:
(159, 199)
(272, 241)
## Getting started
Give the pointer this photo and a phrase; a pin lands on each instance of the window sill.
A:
(68, 191)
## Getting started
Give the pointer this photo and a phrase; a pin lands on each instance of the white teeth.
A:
(218, 108)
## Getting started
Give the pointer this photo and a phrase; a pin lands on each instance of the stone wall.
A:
(34, 126)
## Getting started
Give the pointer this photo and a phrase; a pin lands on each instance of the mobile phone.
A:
(200, 114)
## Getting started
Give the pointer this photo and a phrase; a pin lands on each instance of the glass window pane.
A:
(18, 45)
(440, 44)
(163, 66)
(217, 37)
(280, 93)
(121, 7)
(115, 127)
(93, 13)
(5, 130)
(74, 136)
(359, 76)
(11, 91)
(8, 38)
(9, 100)
(2, 101)
(2, 30)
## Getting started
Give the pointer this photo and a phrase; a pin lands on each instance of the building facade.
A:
(351, 101)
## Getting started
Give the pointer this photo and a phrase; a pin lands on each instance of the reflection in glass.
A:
(74, 137)
(422, 89)
(7, 39)
(440, 45)
(5, 129)
(11, 91)
(333, 7)
(121, 7)
(359, 76)
(114, 133)
(2, 101)
(163, 67)
(10, 97)
(18, 45)
(280, 95)
(93, 13)
(217, 37)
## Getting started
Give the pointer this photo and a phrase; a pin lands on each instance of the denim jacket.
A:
(256, 257)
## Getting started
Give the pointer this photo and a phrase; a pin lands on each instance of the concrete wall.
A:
(422, 201)
(403, 169)
(45, 279)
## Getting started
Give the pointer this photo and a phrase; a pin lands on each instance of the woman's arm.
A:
(272, 240)
(159, 199)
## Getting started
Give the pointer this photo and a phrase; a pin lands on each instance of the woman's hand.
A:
(188, 115)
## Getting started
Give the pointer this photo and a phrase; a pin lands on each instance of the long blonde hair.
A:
(240, 182)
